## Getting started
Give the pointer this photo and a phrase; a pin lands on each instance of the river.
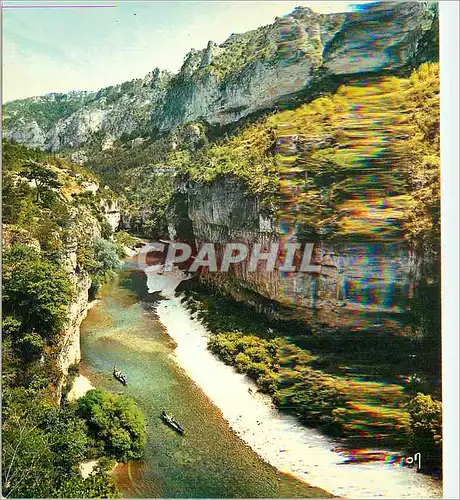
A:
(236, 444)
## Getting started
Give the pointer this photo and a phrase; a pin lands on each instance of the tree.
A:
(14, 194)
(42, 444)
(36, 293)
(104, 261)
(30, 346)
(26, 459)
(42, 447)
(98, 484)
(426, 428)
(42, 175)
(117, 425)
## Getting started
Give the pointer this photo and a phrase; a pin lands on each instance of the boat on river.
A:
(168, 419)
(119, 376)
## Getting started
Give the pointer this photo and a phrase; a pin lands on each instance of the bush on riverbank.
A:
(249, 354)
(125, 240)
(42, 447)
(426, 429)
(116, 424)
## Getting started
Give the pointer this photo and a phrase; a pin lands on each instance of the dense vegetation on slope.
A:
(362, 161)
(44, 110)
(143, 174)
(116, 424)
(48, 214)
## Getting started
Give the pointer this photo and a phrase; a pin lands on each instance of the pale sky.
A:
(61, 49)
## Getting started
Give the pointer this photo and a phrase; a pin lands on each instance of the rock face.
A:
(221, 84)
(28, 133)
(112, 212)
(357, 286)
(387, 36)
(86, 226)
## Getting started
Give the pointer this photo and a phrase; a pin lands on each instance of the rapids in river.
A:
(236, 444)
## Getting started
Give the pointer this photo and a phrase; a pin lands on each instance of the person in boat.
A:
(172, 422)
(119, 376)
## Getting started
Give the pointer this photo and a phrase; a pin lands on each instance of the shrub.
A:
(426, 428)
(102, 261)
(256, 370)
(124, 239)
(116, 424)
(42, 445)
(242, 362)
(268, 382)
(224, 345)
(35, 292)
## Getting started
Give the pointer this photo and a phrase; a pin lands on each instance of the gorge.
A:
(319, 129)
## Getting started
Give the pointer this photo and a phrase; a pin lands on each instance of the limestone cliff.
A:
(358, 286)
(84, 225)
(62, 220)
(250, 72)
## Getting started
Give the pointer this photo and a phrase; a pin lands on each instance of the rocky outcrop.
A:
(70, 353)
(386, 36)
(356, 286)
(112, 212)
(84, 226)
(28, 133)
(249, 72)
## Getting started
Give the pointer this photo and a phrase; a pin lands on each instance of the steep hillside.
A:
(356, 172)
(57, 249)
(319, 129)
(251, 72)
(57, 212)
(354, 346)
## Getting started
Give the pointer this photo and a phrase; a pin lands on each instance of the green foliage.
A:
(249, 354)
(15, 194)
(36, 292)
(42, 444)
(106, 229)
(117, 425)
(314, 165)
(246, 156)
(100, 258)
(123, 240)
(423, 220)
(46, 111)
(42, 175)
(426, 428)
(106, 261)
(30, 346)
(99, 484)
(14, 155)
(347, 383)
(149, 196)
(55, 212)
